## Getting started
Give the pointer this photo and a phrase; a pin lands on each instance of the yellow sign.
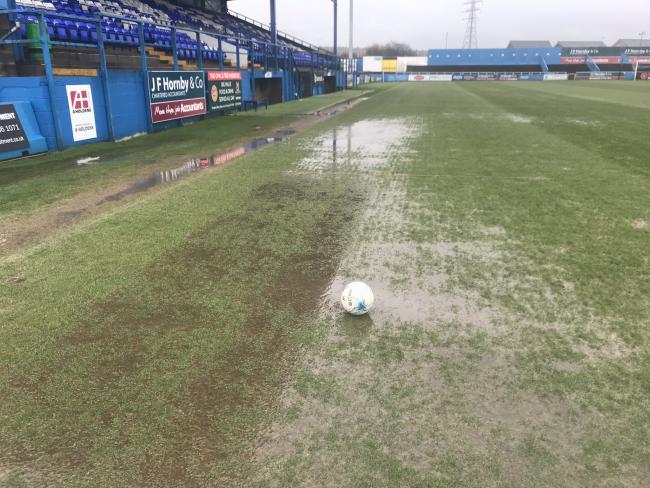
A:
(389, 66)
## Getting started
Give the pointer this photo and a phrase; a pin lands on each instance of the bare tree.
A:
(392, 49)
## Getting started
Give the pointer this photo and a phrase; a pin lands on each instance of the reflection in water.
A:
(334, 141)
(367, 143)
(195, 165)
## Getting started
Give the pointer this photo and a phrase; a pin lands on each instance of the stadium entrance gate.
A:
(330, 84)
(268, 90)
(307, 85)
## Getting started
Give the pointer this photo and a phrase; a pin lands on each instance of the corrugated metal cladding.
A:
(493, 57)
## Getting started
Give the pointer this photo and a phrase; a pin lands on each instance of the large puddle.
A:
(365, 144)
(193, 165)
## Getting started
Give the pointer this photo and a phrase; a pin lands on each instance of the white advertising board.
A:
(82, 112)
(373, 64)
(556, 76)
(405, 61)
(429, 77)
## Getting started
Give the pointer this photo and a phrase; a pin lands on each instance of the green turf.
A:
(183, 339)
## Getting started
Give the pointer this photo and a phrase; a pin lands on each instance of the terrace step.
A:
(74, 72)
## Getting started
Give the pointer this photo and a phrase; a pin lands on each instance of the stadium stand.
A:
(505, 60)
(166, 15)
(108, 55)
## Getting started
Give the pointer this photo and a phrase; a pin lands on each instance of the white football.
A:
(357, 298)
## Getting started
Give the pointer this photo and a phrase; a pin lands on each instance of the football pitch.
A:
(190, 334)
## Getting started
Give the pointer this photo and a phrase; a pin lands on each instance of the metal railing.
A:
(281, 34)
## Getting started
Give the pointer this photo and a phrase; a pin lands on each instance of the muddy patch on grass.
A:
(15, 280)
(216, 321)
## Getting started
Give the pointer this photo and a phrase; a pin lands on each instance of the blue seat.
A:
(126, 35)
(84, 32)
(60, 32)
(50, 30)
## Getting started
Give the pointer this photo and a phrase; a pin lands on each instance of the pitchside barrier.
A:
(607, 76)
(468, 76)
(496, 76)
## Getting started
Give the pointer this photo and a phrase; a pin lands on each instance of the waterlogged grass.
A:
(519, 223)
(28, 184)
(181, 339)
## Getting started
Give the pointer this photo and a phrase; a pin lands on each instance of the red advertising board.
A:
(639, 59)
(224, 75)
(595, 59)
(573, 60)
(606, 59)
(178, 109)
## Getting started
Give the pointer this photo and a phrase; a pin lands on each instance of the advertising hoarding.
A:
(224, 90)
(82, 112)
(373, 64)
(12, 134)
(176, 95)
(429, 77)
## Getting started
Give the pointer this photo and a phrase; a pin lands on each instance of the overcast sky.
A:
(423, 23)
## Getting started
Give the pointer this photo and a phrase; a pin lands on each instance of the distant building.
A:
(580, 44)
(632, 43)
(529, 44)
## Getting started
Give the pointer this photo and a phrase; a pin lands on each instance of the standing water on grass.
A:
(194, 165)
(365, 144)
